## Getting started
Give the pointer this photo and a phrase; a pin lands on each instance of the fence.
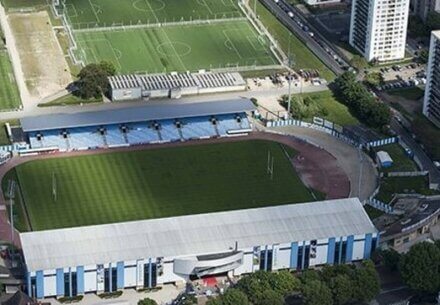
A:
(384, 207)
(407, 174)
(124, 27)
(382, 142)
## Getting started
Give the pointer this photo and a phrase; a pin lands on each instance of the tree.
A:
(93, 80)
(147, 301)
(316, 293)
(391, 259)
(189, 300)
(284, 283)
(270, 297)
(358, 62)
(423, 56)
(366, 282)
(310, 275)
(342, 289)
(433, 21)
(374, 79)
(420, 267)
(254, 284)
(234, 296)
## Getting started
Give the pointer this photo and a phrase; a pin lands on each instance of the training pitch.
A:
(9, 95)
(161, 182)
(177, 48)
(104, 13)
(156, 36)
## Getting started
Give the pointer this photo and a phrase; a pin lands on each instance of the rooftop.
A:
(194, 234)
(134, 114)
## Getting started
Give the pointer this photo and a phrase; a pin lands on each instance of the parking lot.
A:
(402, 76)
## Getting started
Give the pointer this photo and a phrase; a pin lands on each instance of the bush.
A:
(74, 299)
(109, 295)
(361, 102)
(147, 301)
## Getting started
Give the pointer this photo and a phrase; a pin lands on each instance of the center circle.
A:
(143, 6)
(175, 48)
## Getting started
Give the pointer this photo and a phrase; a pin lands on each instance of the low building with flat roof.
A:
(147, 253)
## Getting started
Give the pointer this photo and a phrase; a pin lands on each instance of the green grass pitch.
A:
(9, 95)
(177, 48)
(163, 182)
(102, 13)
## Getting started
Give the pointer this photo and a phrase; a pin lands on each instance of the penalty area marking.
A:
(148, 9)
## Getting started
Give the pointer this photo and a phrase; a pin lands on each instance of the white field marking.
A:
(68, 11)
(175, 51)
(151, 9)
(159, 48)
(228, 3)
(259, 47)
(203, 3)
(97, 42)
(94, 12)
(231, 43)
(141, 10)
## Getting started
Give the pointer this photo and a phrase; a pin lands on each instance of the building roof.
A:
(384, 157)
(152, 82)
(134, 114)
(19, 298)
(194, 234)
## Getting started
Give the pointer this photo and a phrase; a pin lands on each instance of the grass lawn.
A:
(428, 135)
(401, 162)
(373, 212)
(403, 185)
(412, 93)
(303, 58)
(16, 4)
(86, 13)
(4, 140)
(337, 112)
(163, 182)
(177, 48)
(9, 94)
(69, 100)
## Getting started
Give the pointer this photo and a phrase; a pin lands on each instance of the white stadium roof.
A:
(194, 234)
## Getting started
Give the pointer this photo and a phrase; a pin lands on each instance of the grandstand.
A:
(138, 125)
(127, 87)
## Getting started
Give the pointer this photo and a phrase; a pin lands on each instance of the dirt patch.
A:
(44, 66)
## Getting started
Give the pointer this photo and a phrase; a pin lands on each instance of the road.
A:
(258, 94)
(312, 43)
(426, 162)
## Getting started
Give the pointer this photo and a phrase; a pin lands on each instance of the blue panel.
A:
(29, 285)
(293, 255)
(367, 246)
(331, 251)
(150, 271)
(120, 274)
(40, 284)
(60, 282)
(110, 279)
(266, 256)
(341, 241)
(349, 253)
(80, 279)
(303, 255)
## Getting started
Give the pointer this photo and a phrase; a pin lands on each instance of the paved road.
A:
(259, 94)
(317, 48)
(426, 162)
(359, 168)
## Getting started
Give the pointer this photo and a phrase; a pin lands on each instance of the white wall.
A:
(283, 259)
(321, 256)
(90, 281)
(130, 276)
(358, 250)
(246, 267)
(169, 275)
(50, 285)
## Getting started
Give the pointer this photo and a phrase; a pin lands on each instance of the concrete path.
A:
(357, 165)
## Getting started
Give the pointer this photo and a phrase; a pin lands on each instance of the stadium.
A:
(167, 193)
(155, 36)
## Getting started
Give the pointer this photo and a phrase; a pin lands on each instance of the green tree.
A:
(93, 80)
(358, 62)
(420, 267)
(423, 56)
(374, 79)
(234, 296)
(433, 21)
(310, 275)
(284, 283)
(254, 284)
(366, 282)
(342, 289)
(270, 297)
(189, 300)
(391, 259)
(316, 293)
(147, 301)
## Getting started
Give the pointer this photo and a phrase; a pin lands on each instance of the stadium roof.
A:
(134, 114)
(194, 234)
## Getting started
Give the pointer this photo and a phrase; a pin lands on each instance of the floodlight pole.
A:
(11, 207)
(289, 101)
